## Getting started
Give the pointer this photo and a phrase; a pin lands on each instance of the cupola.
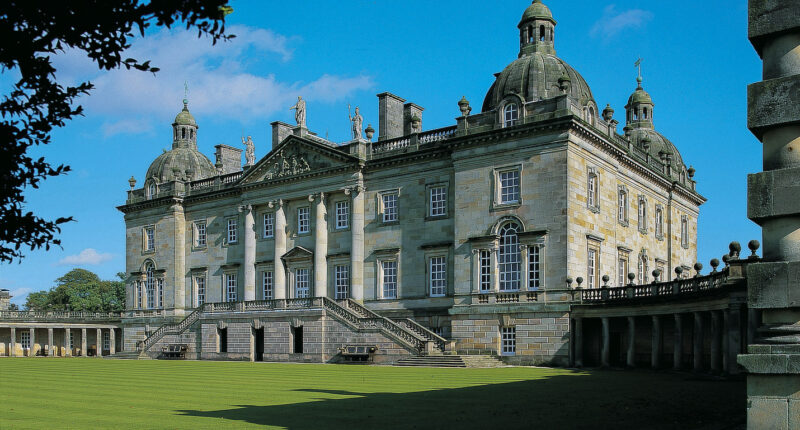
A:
(537, 30)
(184, 129)
(639, 108)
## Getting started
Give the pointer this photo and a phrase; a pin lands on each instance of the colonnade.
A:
(21, 341)
(722, 333)
(320, 265)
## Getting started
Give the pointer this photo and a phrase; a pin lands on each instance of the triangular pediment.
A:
(298, 253)
(297, 157)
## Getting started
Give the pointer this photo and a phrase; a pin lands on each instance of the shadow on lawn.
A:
(618, 400)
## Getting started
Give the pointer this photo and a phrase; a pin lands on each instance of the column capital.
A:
(275, 203)
(245, 208)
(354, 190)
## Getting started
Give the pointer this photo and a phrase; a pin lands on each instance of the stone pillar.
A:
(357, 244)
(697, 345)
(578, 342)
(280, 249)
(179, 276)
(51, 350)
(67, 349)
(32, 351)
(112, 341)
(716, 337)
(631, 358)
(773, 117)
(677, 349)
(320, 248)
(655, 350)
(733, 340)
(83, 342)
(605, 352)
(249, 232)
(13, 345)
(524, 273)
(99, 343)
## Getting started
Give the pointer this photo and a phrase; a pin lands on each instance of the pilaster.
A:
(357, 243)
(249, 232)
(320, 248)
(179, 274)
(280, 249)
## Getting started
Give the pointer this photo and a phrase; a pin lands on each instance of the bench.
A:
(358, 353)
(174, 352)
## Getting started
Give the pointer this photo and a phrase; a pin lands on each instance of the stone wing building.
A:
(471, 237)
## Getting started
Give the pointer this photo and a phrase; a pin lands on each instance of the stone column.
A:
(83, 342)
(578, 342)
(99, 343)
(13, 344)
(112, 341)
(67, 349)
(697, 349)
(524, 273)
(280, 249)
(774, 117)
(631, 358)
(733, 340)
(655, 350)
(179, 276)
(249, 232)
(32, 351)
(320, 248)
(357, 244)
(716, 337)
(677, 349)
(495, 268)
(605, 352)
(51, 350)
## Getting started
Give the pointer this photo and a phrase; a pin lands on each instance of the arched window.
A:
(183, 132)
(511, 115)
(151, 191)
(150, 285)
(659, 222)
(191, 134)
(530, 34)
(541, 33)
(642, 269)
(509, 257)
(644, 113)
(590, 115)
(642, 220)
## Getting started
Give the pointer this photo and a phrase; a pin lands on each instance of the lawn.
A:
(94, 393)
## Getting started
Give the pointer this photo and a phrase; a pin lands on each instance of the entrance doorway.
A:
(259, 344)
(297, 340)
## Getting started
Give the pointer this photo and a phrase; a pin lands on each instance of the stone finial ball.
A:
(605, 278)
(691, 171)
(579, 280)
(656, 273)
(698, 267)
(726, 258)
(631, 276)
(569, 280)
(735, 248)
(754, 245)
(678, 270)
(714, 263)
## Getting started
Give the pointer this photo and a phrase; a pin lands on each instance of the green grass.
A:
(93, 393)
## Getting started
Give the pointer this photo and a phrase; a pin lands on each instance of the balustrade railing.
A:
(713, 281)
(60, 315)
(423, 331)
(437, 135)
(391, 145)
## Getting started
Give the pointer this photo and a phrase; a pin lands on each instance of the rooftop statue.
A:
(250, 151)
(358, 122)
(300, 112)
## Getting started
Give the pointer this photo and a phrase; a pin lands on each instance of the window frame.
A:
(659, 222)
(485, 271)
(231, 289)
(593, 247)
(297, 279)
(382, 276)
(593, 189)
(430, 202)
(200, 288)
(685, 231)
(535, 266)
(623, 207)
(342, 217)
(439, 282)
(642, 266)
(497, 191)
(341, 281)
(231, 230)
(384, 220)
(303, 214)
(505, 267)
(149, 239)
(510, 109)
(623, 266)
(268, 284)
(200, 229)
(641, 211)
(25, 339)
(508, 341)
(268, 229)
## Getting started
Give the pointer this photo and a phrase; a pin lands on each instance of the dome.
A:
(184, 117)
(658, 144)
(640, 95)
(181, 163)
(537, 10)
(535, 76)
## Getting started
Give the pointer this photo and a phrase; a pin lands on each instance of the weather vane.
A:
(638, 64)
(185, 92)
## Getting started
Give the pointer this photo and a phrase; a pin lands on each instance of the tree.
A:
(33, 31)
(80, 290)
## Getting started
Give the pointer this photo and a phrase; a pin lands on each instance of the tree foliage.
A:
(33, 31)
(80, 290)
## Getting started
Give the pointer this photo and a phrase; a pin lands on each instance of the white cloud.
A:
(613, 22)
(88, 256)
(221, 82)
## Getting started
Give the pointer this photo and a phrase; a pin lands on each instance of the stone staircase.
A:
(127, 355)
(478, 361)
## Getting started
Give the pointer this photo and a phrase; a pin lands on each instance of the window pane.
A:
(438, 276)
(232, 233)
(509, 258)
(342, 282)
(301, 283)
(230, 282)
(342, 214)
(389, 207)
(302, 220)
(200, 282)
(486, 271)
(534, 268)
(509, 186)
(508, 336)
(201, 234)
(438, 201)
(269, 225)
(389, 279)
(592, 266)
(268, 285)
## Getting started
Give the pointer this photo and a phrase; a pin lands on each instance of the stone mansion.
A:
(474, 234)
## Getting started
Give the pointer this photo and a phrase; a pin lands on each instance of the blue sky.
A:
(697, 63)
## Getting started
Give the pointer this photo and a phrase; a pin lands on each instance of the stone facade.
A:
(470, 230)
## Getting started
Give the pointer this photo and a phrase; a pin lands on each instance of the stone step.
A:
(127, 355)
(432, 361)
(482, 361)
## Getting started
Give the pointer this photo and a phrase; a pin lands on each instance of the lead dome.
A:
(183, 162)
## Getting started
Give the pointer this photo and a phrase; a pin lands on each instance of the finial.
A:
(638, 65)
(185, 95)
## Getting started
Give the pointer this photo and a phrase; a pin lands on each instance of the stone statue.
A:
(300, 112)
(250, 151)
(358, 122)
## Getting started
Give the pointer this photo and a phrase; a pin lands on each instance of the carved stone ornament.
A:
(287, 162)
